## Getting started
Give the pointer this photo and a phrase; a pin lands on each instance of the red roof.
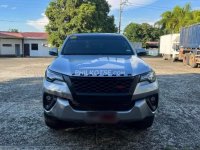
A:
(25, 35)
(34, 35)
(152, 43)
(10, 35)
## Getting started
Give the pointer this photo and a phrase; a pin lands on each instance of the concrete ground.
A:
(177, 123)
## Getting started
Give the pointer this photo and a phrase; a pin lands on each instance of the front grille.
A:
(102, 93)
(102, 84)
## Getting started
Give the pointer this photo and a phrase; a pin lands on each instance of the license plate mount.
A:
(102, 117)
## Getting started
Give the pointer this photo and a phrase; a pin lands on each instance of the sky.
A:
(29, 16)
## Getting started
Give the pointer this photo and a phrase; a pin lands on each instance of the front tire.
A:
(53, 123)
(164, 57)
(144, 124)
(186, 59)
(192, 61)
(174, 59)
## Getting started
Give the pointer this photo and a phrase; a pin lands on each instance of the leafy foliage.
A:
(142, 32)
(173, 21)
(13, 30)
(77, 16)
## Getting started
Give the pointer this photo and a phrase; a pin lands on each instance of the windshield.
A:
(97, 45)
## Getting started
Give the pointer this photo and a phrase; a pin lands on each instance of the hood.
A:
(96, 65)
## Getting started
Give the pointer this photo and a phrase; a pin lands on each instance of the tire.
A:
(164, 57)
(144, 124)
(192, 61)
(174, 59)
(186, 59)
(53, 123)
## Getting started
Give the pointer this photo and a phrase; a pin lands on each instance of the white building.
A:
(24, 44)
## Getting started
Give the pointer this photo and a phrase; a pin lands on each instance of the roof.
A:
(96, 34)
(152, 43)
(24, 35)
(34, 35)
(10, 35)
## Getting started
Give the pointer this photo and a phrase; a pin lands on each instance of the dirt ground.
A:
(177, 123)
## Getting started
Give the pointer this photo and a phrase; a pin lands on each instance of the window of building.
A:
(7, 45)
(34, 47)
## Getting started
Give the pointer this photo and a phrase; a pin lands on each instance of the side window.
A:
(34, 47)
(7, 45)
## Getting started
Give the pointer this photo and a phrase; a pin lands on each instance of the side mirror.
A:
(53, 52)
(141, 52)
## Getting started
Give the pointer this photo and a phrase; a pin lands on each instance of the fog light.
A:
(49, 101)
(152, 101)
(49, 98)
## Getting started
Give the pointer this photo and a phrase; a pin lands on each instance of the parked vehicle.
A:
(190, 45)
(98, 78)
(169, 46)
(137, 46)
(141, 52)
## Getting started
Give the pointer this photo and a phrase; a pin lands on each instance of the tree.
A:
(77, 16)
(13, 30)
(142, 32)
(173, 21)
(132, 32)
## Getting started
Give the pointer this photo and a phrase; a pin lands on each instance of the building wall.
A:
(42, 50)
(10, 50)
(136, 45)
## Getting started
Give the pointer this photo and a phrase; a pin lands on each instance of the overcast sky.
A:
(28, 15)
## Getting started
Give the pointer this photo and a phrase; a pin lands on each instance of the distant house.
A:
(24, 44)
(152, 48)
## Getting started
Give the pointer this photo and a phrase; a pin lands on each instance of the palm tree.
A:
(173, 21)
(164, 22)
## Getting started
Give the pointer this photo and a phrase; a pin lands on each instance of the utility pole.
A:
(120, 15)
(121, 4)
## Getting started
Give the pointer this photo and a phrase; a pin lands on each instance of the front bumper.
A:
(62, 109)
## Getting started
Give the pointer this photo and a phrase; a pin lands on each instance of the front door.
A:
(17, 50)
(26, 50)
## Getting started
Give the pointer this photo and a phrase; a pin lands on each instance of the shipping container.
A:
(190, 45)
(190, 37)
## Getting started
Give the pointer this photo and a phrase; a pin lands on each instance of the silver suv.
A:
(99, 78)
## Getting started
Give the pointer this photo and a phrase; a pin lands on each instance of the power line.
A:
(20, 21)
(123, 4)
(22, 2)
(144, 5)
(126, 3)
(153, 6)
(27, 3)
(30, 4)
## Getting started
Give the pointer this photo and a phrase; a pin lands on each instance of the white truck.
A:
(169, 46)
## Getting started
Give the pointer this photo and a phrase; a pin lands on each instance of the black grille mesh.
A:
(102, 93)
(102, 85)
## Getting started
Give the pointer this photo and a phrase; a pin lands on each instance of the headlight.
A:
(150, 77)
(52, 76)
